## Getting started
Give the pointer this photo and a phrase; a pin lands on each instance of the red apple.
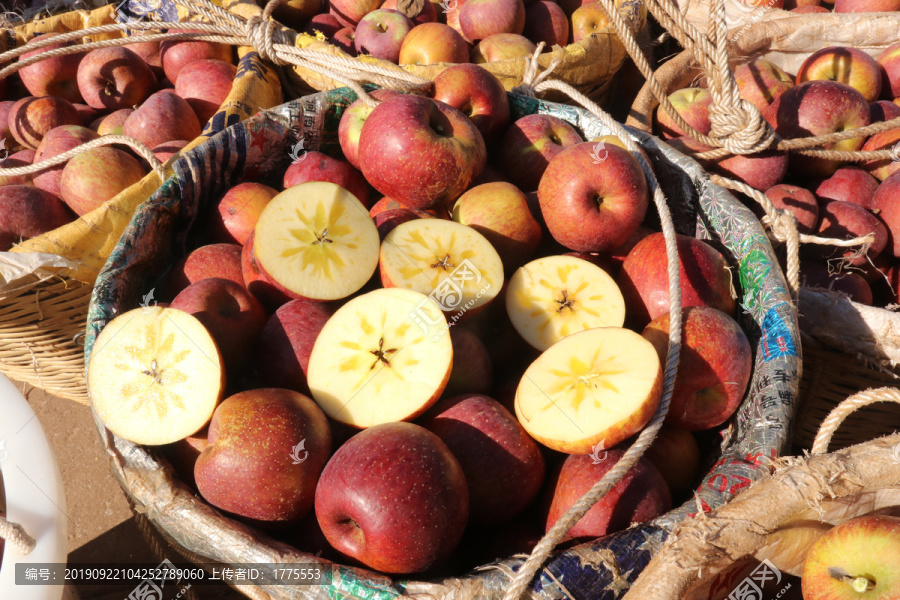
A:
(260, 284)
(326, 24)
(676, 456)
(472, 371)
(175, 55)
(381, 33)
(761, 170)
(345, 39)
(692, 104)
(530, 144)
(546, 22)
(88, 115)
(848, 184)
(97, 175)
(149, 53)
(883, 110)
(886, 140)
(449, 149)
(52, 76)
(165, 151)
(761, 82)
(889, 62)
(295, 13)
(705, 278)
(163, 117)
(55, 142)
(222, 261)
(205, 85)
(885, 203)
(817, 275)
(112, 123)
(866, 6)
(432, 43)
(5, 107)
(797, 200)
(352, 121)
(715, 367)
(478, 94)
(114, 78)
(363, 516)
(31, 118)
(846, 65)
(13, 163)
(845, 220)
(501, 46)
(315, 166)
(479, 19)
(235, 215)
(26, 212)
(351, 12)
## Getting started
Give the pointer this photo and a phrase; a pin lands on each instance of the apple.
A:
(56, 141)
(175, 55)
(112, 123)
(13, 163)
(387, 213)
(326, 24)
(26, 156)
(760, 170)
(854, 559)
(588, 20)
(715, 367)
(381, 33)
(889, 62)
(479, 19)
(817, 275)
(703, 271)
(261, 285)
(206, 85)
(165, 151)
(450, 13)
(183, 454)
(799, 201)
(450, 148)
(155, 375)
(97, 175)
(52, 76)
(885, 204)
(553, 297)
(503, 466)
(866, 6)
(478, 94)
(221, 261)
(845, 65)
(163, 117)
(286, 343)
(845, 220)
(351, 12)
(886, 140)
(676, 456)
(452, 263)
(5, 107)
(87, 114)
(363, 516)
(31, 118)
(501, 46)
(114, 78)
(295, 13)
(848, 184)
(883, 110)
(546, 22)
(149, 53)
(492, 174)
(641, 495)
(761, 82)
(619, 254)
(432, 43)
(388, 204)
(236, 213)
(26, 212)
(426, 14)
(345, 39)
(267, 448)
(315, 166)
(816, 108)
(472, 371)
(530, 144)
(597, 385)
(352, 121)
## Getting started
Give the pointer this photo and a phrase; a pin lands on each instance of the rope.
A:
(845, 409)
(16, 535)
(545, 546)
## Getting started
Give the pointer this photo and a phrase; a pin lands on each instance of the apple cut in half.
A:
(155, 375)
(598, 385)
(452, 263)
(384, 356)
(553, 297)
(316, 241)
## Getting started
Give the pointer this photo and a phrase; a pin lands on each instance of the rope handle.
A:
(16, 535)
(848, 407)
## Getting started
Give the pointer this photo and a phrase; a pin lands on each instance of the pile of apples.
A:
(452, 31)
(157, 93)
(836, 89)
(402, 346)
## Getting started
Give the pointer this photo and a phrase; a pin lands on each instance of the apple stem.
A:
(110, 88)
(861, 584)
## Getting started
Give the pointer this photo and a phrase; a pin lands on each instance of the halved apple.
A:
(555, 296)
(155, 375)
(598, 385)
(317, 241)
(452, 263)
(384, 356)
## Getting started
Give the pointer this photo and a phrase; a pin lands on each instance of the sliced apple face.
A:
(155, 375)
(452, 263)
(317, 241)
(598, 385)
(384, 356)
(553, 297)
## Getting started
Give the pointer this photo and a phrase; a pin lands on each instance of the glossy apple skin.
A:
(479, 19)
(676, 456)
(175, 55)
(149, 53)
(889, 62)
(97, 175)
(381, 33)
(886, 140)
(428, 14)
(501, 46)
(644, 282)
(221, 261)
(692, 104)
(845, 220)
(591, 205)
(363, 516)
(449, 151)
(848, 184)
(26, 212)
(799, 201)
(761, 82)
(163, 117)
(53, 76)
(287, 340)
(885, 202)
(433, 43)
(472, 371)
(30, 118)
(248, 470)
(316, 166)
(351, 12)
(846, 65)
(503, 466)
(817, 275)
(233, 317)
(546, 22)
(761, 170)
(867, 546)
(352, 121)
(530, 144)
(714, 371)
(478, 94)
(588, 20)
(883, 110)
(55, 142)
(817, 108)
(114, 78)
(641, 495)
(206, 85)
(233, 218)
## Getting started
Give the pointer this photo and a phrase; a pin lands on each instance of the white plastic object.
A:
(35, 497)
